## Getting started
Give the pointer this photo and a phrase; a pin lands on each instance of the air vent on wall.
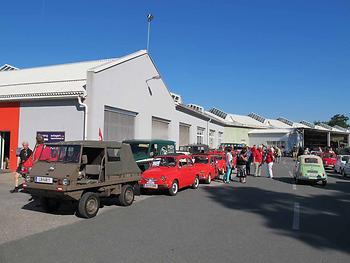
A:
(257, 117)
(196, 107)
(285, 121)
(218, 113)
(176, 98)
(325, 126)
(7, 67)
(308, 124)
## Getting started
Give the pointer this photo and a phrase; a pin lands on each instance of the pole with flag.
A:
(100, 137)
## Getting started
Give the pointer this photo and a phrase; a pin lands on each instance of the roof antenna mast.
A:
(149, 20)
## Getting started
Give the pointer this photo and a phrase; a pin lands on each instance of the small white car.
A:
(346, 170)
(340, 164)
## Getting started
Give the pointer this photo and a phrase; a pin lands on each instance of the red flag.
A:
(100, 137)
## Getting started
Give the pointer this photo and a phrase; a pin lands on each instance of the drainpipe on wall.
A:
(208, 131)
(81, 104)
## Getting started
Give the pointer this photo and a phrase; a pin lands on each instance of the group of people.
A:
(27, 158)
(249, 156)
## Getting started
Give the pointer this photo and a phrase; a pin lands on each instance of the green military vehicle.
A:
(83, 172)
(145, 150)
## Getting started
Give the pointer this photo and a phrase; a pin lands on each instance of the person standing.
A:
(249, 154)
(242, 160)
(229, 160)
(269, 160)
(24, 155)
(279, 154)
(258, 159)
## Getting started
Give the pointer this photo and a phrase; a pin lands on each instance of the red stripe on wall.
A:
(9, 122)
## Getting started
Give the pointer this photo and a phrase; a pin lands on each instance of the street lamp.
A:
(149, 20)
(147, 80)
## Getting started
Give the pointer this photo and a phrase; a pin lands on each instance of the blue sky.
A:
(273, 57)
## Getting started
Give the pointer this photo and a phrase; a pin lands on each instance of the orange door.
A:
(9, 122)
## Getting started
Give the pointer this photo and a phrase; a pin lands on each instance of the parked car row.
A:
(83, 172)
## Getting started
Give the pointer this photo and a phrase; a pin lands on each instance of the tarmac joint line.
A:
(296, 216)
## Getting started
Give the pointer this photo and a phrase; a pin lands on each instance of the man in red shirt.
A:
(257, 159)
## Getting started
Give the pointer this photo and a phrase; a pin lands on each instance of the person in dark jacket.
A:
(242, 160)
(24, 155)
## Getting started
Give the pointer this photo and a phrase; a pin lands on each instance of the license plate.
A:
(150, 185)
(312, 172)
(43, 180)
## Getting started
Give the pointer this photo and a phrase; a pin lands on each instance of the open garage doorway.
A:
(4, 150)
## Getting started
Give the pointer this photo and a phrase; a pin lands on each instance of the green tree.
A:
(340, 120)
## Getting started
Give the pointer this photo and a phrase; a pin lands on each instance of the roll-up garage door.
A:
(160, 128)
(184, 133)
(119, 124)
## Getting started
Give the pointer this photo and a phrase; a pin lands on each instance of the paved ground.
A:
(262, 221)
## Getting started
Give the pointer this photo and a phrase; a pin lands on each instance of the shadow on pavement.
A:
(324, 219)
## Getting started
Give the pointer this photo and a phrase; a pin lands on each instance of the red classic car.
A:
(206, 166)
(170, 172)
(329, 159)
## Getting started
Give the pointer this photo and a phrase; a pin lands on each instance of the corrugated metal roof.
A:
(47, 82)
(247, 121)
(62, 72)
(43, 90)
(277, 124)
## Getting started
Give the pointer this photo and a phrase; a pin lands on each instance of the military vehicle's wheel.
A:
(195, 183)
(174, 188)
(208, 181)
(89, 204)
(127, 195)
(49, 204)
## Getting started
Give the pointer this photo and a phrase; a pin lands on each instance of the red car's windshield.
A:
(329, 155)
(164, 161)
(201, 159)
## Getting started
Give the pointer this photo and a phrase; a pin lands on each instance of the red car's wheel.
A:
(195, 183)
(208, 181)
(174, 188)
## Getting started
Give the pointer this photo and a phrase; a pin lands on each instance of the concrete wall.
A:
(53, 115)
(197, 122)
(124, 86)
(236, 135)
(263, 138)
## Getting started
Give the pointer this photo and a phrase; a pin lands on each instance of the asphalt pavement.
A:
(264, 220)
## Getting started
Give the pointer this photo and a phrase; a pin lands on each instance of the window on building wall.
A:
(118, 124)
(184, 134)
(200, 135)
(160, 128)
(211, 138)
(220, 135)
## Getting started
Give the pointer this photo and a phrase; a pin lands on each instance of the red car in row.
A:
(171, 173)
(329, 159)
(206, 166)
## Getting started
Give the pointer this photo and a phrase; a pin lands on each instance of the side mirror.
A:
(84, 159)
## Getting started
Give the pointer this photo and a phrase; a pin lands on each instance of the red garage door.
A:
(9, 124)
